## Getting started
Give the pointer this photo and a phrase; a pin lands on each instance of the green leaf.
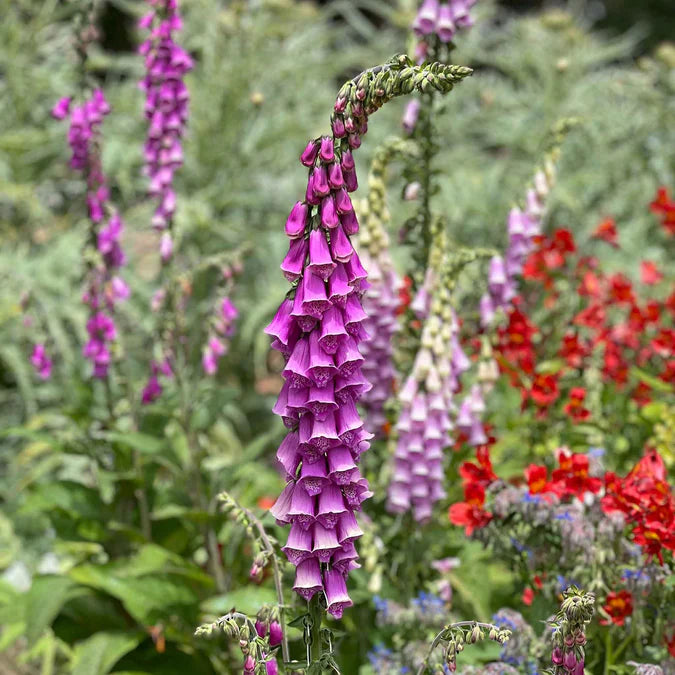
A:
(44, 601)
(98, 654)
(143, 443)
(654, 382)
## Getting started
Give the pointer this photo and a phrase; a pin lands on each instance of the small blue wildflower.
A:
(596, 452)
(565, 515)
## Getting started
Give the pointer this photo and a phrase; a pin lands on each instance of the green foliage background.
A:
(265, 77)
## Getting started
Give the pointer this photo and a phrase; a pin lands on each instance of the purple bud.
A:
(309, 154)
(297, 220)
(276, 634)
(327, 151)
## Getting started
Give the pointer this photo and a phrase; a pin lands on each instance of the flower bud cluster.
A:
(569, 632)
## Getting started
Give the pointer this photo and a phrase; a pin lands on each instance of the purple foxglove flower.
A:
(308, 581)
(327, 151)
(335, 178)
(249, 665)
(570, 660)
(299, 544)
(333, 331)
(297, 220)
(260, 628)
(411, 115)
(340, 246)
(343, 202)
(309, 154)
(41, 362)
(329, 216)
(320, 261)
(294, 261)
(314, 299)
(166, 247)
(445, 26)
(426, 18)
(152, 390)
(337, 598)
(62, 108)
(271, 667)
(321, 187)
(276, 634)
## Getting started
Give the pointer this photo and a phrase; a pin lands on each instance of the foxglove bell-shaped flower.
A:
(319, 331)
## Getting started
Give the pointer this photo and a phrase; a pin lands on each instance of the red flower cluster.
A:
(476, 477)
(609, 320)
(645, 499)
(617, 606)
(570, 479)
(664, 207)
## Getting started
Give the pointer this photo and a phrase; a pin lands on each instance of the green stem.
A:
(316, 614)
(608, 652)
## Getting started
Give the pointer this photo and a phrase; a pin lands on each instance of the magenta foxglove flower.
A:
(223, 326)
(166, 104)
(380, 302)
(426, 404)
(41, 361)
(319, 329)
(104, 288)
(523, 227)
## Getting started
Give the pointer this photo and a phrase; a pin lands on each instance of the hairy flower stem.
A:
(316, 615)
(428, 152)
(276, 573)
(447, 632)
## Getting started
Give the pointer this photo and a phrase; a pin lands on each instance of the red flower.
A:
(404, 295)
(528, 596)
(664, 207)
(606, 231)
(572, 350)
(544, 390)
(470, 513)
(618, 606)
(515, 342)
(571, 479)
(642, 394)
(575, 407)
(645, 498)
(615, 367)
(592, 317)
(537, 479)
(621, 289)
(664, 342)
(650, 273)
(481, 473)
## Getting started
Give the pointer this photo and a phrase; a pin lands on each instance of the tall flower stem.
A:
(316, 614)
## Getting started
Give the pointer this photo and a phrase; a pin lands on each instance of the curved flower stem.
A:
(440, 637)
(276, 573)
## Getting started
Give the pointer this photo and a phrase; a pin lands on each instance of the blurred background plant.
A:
(84, 589)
